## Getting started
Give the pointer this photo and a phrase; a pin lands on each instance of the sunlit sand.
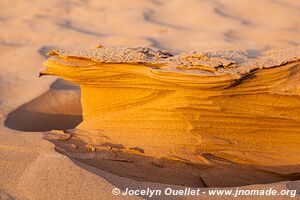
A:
(148, 94)
(192, 108)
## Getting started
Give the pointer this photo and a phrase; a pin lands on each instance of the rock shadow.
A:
(57, 109)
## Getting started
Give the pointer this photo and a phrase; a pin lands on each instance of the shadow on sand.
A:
(57, 109)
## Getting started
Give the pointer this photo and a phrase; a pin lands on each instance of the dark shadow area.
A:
(67, 24)
(221, 13)
(148, 17)
(43, 51)
(26, 120)
(241, 80)
(217, 172)
(57, 109)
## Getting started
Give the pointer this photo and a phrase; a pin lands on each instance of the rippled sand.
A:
(240, 124)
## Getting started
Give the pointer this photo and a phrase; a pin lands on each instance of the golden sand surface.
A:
(192, 107)
(41, 159)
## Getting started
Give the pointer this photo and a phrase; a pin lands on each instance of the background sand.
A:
(30, 168)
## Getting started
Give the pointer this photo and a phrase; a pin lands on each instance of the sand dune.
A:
(39, 160)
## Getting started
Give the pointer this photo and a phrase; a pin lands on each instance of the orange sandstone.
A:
(235, 106)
